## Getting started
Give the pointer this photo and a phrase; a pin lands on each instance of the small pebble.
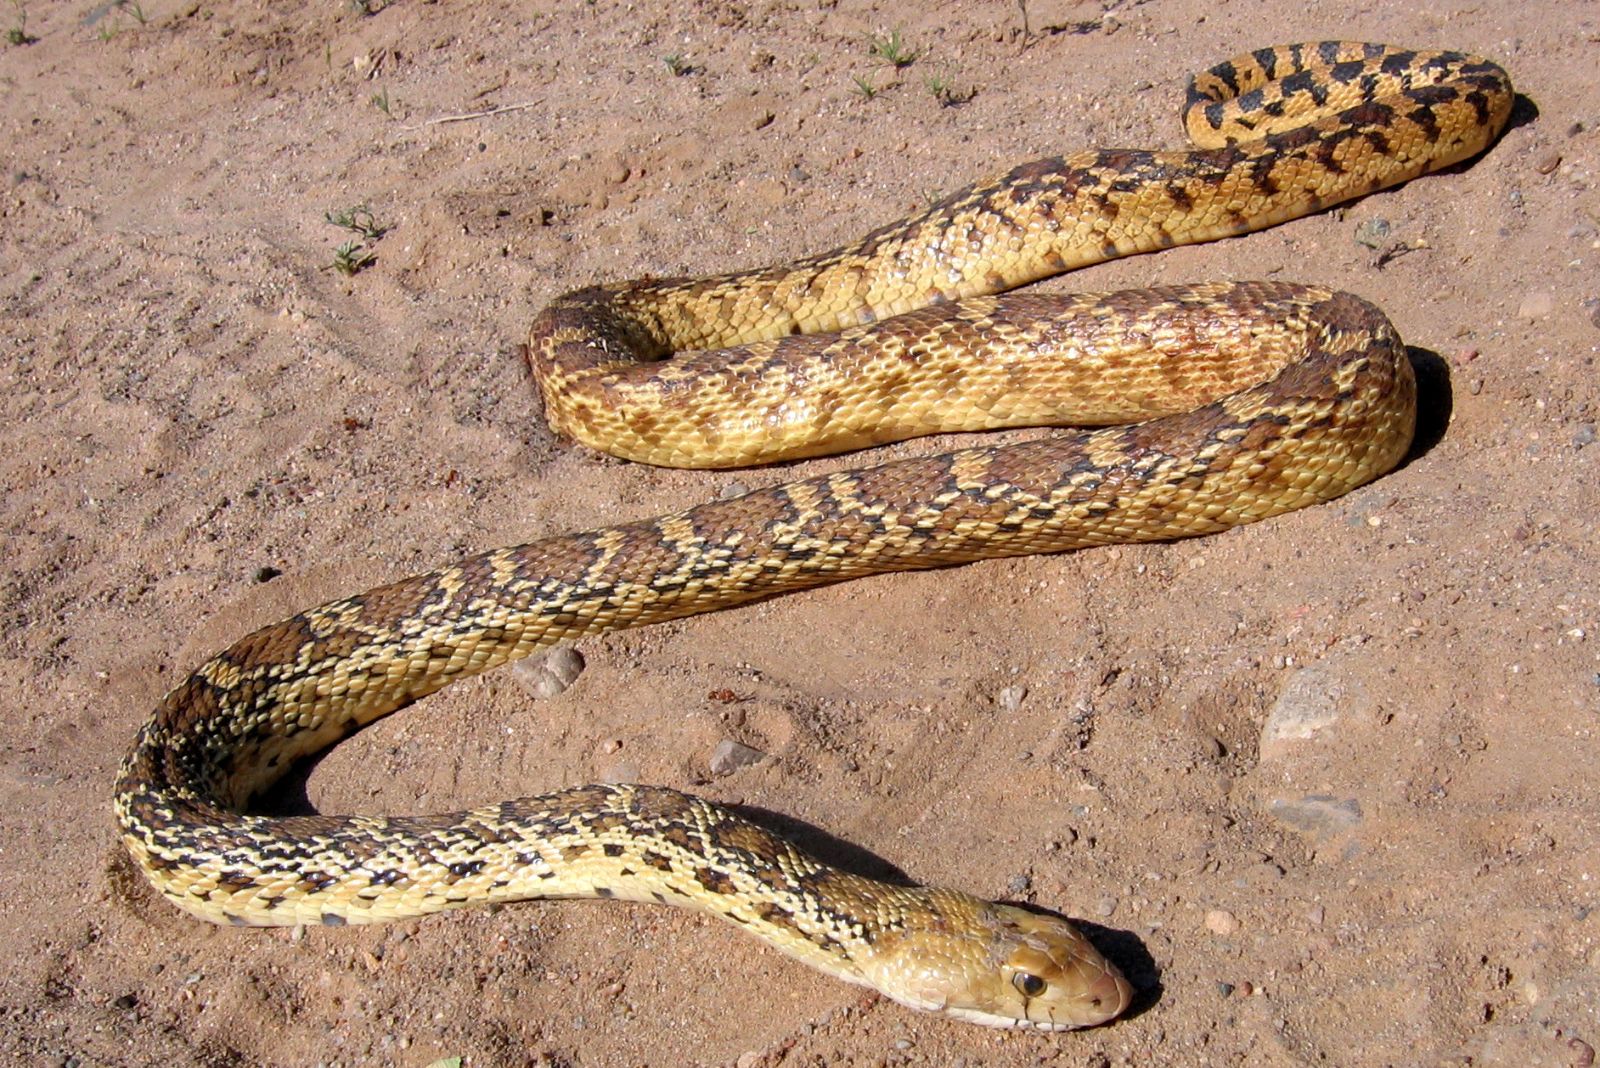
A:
(551, 674)
(1019, 884)
(902, 1043)
(1221, 922)
(1106, 906)
(1224, 989)
(1537, 305)
(1584, 435)
(266, 573)
(748, 1059)
(1010, 699)
(730, 756)
(1547, 162)
(1316, 914)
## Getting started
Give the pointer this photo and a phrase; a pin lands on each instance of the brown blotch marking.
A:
(740, 836)
(1292, 140)
(775, 914)
(1371, 113)
(575, 851)
(1346, 72)
(1480, 106)
(717, 882)
(1327, 155)
(1303, 81)
(314, 882)
(658, 805)
(612, 849)
(1036, 175)
(1397, 63)
(678, 837)
(1228, 75)
(656, 860)
(235, 882)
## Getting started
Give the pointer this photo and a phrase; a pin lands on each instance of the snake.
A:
(1195, 408)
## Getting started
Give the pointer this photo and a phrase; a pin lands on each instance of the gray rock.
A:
(1010, 699)
(1317, 814)
(1314, 700)
(730, 756)
(549, 675)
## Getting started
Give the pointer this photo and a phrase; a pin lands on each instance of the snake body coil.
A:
(1285, 395)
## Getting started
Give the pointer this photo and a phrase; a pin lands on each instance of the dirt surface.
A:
(208, 427)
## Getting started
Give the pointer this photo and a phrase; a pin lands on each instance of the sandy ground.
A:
(207, 428)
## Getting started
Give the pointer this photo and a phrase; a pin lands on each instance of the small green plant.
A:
(18, 34)
(358, 219)
(864, 87)
(112, 26)
(380, 100)
(892, 49)
(351, 258)
(677, 65)
(947, 92)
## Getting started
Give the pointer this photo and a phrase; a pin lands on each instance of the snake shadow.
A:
(1122, 948)
(1435, 401)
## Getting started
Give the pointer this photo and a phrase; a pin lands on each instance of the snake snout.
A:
(1109, 993)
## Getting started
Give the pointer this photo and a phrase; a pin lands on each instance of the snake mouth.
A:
(1100, 1001)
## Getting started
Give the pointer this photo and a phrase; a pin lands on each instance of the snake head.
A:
(1000, 966)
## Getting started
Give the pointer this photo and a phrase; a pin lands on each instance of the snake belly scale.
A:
(1256, 398)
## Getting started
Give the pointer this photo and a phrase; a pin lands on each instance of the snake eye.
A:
(1028, 984)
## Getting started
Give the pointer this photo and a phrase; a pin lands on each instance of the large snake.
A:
(1287, 395)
